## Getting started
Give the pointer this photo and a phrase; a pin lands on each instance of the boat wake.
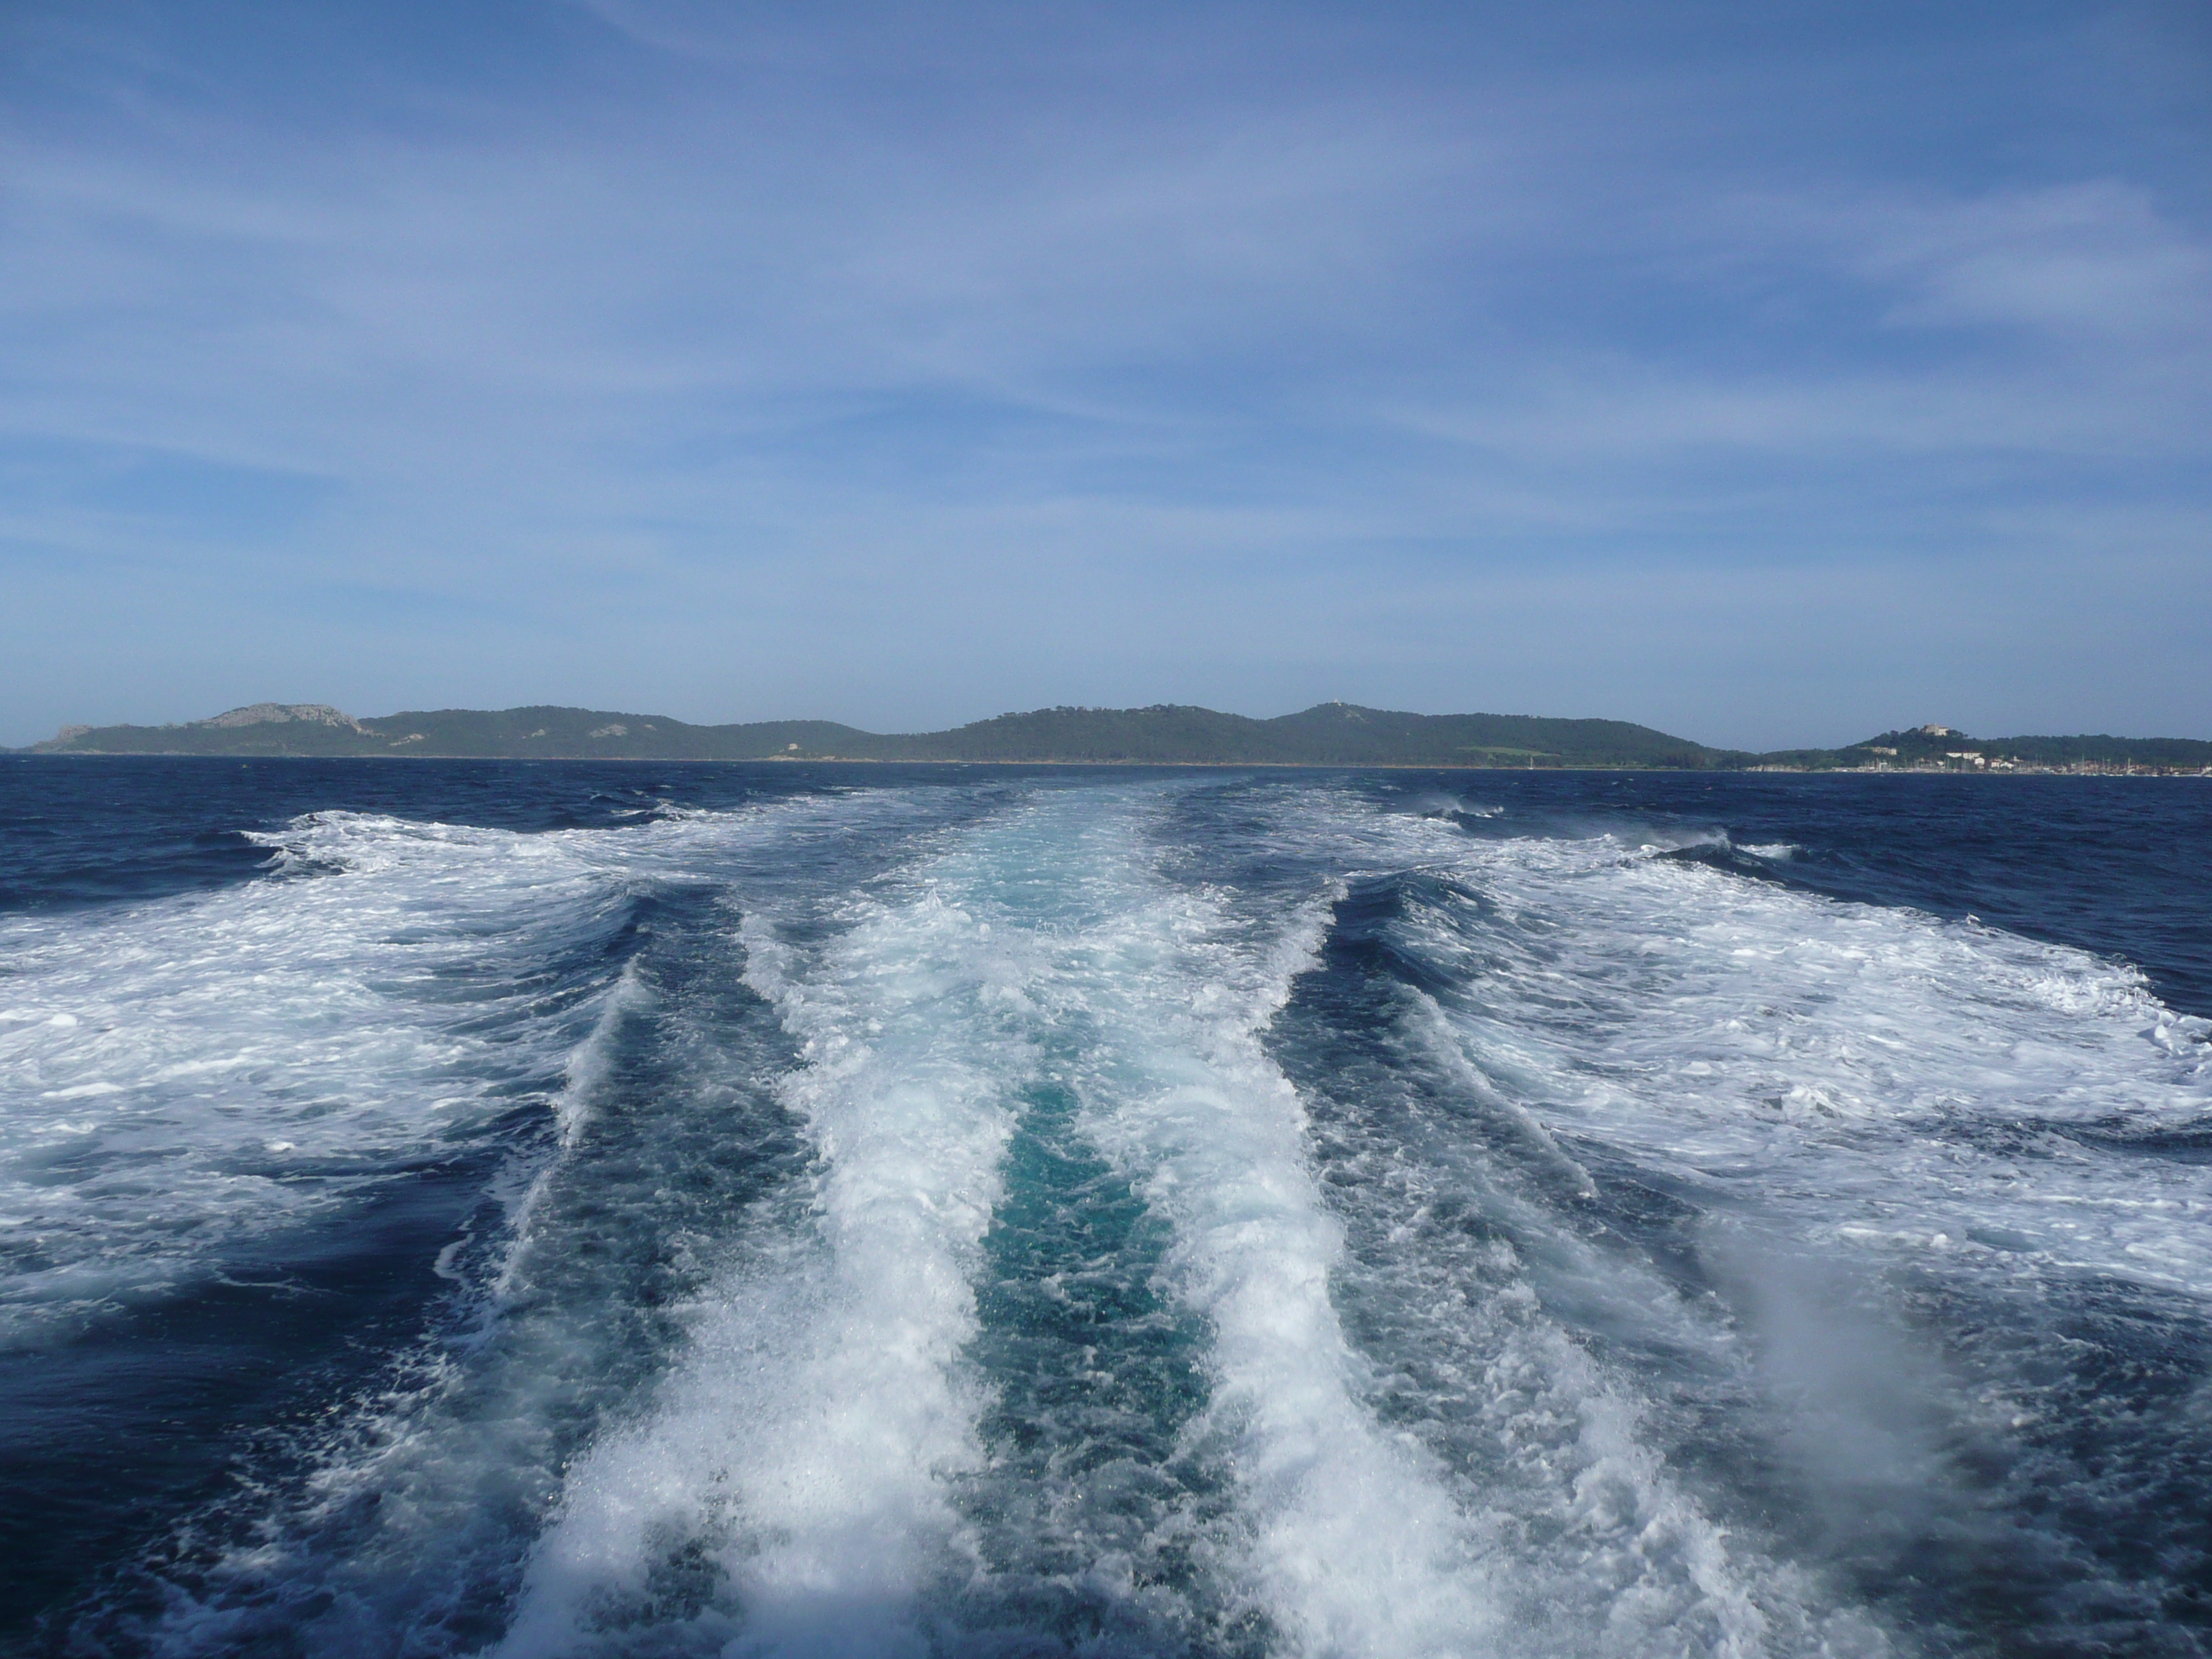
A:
(1214, 1217)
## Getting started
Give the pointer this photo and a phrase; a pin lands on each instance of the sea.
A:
(510, 1209)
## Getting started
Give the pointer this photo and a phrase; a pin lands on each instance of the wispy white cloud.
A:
(2094, 259)
(865, 328)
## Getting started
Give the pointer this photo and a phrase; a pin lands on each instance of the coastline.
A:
(2088, 771)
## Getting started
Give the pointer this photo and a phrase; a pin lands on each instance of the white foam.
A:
(420, 1495)
(812, 1432)
(315, 1012)
(253, 1056)
(1437, 803)
(1355, 1546)
(1720, 1026)
(1835, 1078)
(1804, 1062)
(1844, 1051)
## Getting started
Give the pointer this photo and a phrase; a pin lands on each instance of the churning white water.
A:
(1137, 1217)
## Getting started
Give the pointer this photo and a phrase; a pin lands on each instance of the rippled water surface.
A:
(459, 1208)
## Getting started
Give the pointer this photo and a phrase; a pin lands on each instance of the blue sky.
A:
(1768, 373)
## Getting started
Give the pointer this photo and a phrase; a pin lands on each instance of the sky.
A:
(1770, 374)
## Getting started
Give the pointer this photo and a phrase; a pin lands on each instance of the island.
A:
(1164, 734)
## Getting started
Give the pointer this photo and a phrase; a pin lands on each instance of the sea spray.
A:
(1210, 1215)
(399, 1520)
(804, 1444)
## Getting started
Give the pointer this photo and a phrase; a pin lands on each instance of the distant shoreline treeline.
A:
(1330, 734)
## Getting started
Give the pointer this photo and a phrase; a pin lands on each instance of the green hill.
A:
(1329, 734)
(1333, 734)
(543, 732)
(1927, 745)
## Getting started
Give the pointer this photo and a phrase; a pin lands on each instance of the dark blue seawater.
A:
(458, 1207)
